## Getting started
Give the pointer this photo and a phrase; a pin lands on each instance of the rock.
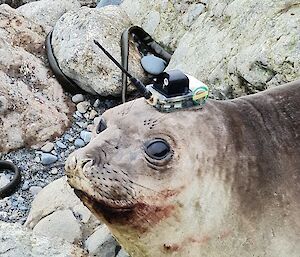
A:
(235, 55)
(79, 114)
(153, 65)
(56, 195)
(4, 180)
(90, 127)
(61, 145)
(96, 121)
(92, 114)
(22, 242)
(79, 143)
(34, 190)
(103, 3)
(96, 103)
(54, 171)
(31, 98)
(47, 12)
(82, 107)
(37, 159)
(60, 224)
(86, 136)
(48, 147)
(82, 124)
(25, 185)
(77, 98)
(80, 59)
(101, 243)
(47, 158)
(164, 20)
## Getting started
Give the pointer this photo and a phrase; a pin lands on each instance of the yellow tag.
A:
(200, 95)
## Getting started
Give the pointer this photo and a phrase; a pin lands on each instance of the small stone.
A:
(101, 241)
(22, 207)
(86, 136)
(153, 65)
(96, 103)
(86, 116)
(82, 124)
(34, 190)
(37, 159)
(61, 145)
(54, 171)
(54, 152)
(82, 107)
(71, 148)
(78, 114)
(103, 3)
(25, 185)
(97, 120)
(93, 114)
(90, 127)
(77, 98)
(79, 142)
(47, 158)
(63, 155)
(4, 180)
(47, 148)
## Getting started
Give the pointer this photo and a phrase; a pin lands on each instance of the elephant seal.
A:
(223, 180)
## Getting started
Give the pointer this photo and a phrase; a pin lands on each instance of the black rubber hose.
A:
(67, 83)
(13, 185)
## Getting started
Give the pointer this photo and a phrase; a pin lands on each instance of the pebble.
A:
(82, 107)
(79, 114)
(93, 114)
(97, 120)
(90, 127)
(81, 124)
(86, 136)
(4, 180)
(47, 158)
(153, 65)
(47, 148)
(96, 103)
(61, 145)
(54, 171)
(37, 159)
(34, 190)
(86, 116)
(79, 142)
(78, 98)
(103, 3)
(25, 185)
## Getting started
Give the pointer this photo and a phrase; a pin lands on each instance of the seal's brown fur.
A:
(231, 186)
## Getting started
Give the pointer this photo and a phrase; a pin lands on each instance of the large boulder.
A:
(33, 108)
(16, 241)
(166, 21)
(47, 12)
(240, 47)
(80, 59)
(57, 212)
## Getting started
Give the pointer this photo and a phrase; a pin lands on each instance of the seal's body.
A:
(223, 181)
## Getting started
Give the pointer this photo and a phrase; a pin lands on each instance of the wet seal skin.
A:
(219, 181)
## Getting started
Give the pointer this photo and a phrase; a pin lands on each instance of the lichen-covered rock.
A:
(47, 12)
(80, 59)
(241, 47)
(16, 241)
(167, 21)
(33, 108)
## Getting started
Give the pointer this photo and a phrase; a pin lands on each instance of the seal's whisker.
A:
(148, 188)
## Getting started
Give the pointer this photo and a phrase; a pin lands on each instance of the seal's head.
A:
(199, 181)
(138, 169)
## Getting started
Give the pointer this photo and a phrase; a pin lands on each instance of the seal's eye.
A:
(101, 126)
(157, 148)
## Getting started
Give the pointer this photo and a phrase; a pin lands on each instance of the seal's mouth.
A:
(102, 206)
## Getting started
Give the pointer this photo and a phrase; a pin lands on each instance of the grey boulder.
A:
(80, 59)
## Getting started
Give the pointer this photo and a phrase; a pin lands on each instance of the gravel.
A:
(35, 175)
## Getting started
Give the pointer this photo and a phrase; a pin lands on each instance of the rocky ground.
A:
(41, 167)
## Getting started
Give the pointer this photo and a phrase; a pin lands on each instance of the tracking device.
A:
(169, 91)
